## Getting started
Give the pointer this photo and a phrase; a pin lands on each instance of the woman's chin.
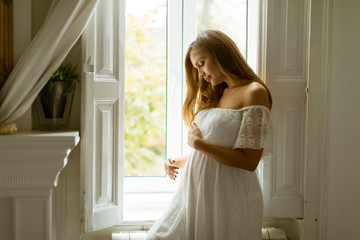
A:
(214, 84)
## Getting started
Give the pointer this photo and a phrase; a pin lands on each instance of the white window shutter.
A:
(102, 117)
(285, 71)
(174, 78)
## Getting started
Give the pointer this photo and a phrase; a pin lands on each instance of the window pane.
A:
(228, 16)
(145, 87)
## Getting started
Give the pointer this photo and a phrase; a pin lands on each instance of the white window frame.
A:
(154, 193)
(278, 61)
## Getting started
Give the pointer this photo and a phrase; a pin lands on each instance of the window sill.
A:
(268, 233)
(145, 198)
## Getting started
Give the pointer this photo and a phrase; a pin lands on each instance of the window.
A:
(229, 16)
(146, 189)
(110, 197)
(147, 105)
(145, 88)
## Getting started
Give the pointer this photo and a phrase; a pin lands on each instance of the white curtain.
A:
(63, 26)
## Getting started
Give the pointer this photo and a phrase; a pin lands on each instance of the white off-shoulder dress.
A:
(214, 200)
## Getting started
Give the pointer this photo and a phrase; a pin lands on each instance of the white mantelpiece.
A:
(30, 163)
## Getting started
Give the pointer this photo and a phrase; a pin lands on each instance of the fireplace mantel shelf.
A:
(31, 161)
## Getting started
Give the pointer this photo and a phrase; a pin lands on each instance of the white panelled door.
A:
(102, 127)
(286, 75)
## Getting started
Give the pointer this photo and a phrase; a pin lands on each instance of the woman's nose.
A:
(201, 74)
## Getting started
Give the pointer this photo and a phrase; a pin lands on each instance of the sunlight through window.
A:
(228, 16)
(145, 88)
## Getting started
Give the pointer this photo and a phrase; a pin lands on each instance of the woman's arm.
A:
(180, 161)
(173, 164)
(247, 158)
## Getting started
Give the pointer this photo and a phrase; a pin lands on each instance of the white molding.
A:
(325, 105)
(316, 182)
(263, 22)
(33, 159)
(19, 178)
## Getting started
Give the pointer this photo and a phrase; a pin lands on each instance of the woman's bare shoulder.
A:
(256, 94)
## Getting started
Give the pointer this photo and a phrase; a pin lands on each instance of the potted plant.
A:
(55, 99)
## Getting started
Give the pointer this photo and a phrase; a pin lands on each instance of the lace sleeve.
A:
(256, 130)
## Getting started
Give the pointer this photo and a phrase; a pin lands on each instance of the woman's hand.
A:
(194, 135)
(173, 165)
(171, 168)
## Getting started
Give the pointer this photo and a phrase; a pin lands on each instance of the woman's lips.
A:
(207, 79)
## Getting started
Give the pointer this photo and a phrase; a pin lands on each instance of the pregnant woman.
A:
(227, 110)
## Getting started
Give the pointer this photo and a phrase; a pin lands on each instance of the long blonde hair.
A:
(226, 55)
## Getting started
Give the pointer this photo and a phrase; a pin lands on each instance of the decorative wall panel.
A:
(106, 22)
(105, 155)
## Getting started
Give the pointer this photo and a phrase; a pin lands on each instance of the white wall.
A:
(343, 210)
(22, 37)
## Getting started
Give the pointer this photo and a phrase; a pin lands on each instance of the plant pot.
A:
(54, 108)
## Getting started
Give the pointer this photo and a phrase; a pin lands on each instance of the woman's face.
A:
(207, 69)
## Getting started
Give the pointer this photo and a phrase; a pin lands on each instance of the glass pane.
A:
(145, 87)
(228, 16)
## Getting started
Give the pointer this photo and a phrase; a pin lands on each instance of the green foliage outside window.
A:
(145, 96)
(145, 80)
